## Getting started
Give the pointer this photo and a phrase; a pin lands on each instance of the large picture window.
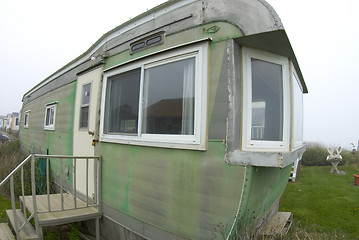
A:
(169, 98)
(266, 98)
(160, 101)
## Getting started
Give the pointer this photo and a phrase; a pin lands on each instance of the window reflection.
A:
(267, 101)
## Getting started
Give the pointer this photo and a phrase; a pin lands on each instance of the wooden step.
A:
(57, 216)
(5, 232)
(27, 232)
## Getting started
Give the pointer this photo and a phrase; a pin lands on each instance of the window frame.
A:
(82, 105)
(295, 83)
(195, 141)
(26, 119)
(50, 106)
(263, 145)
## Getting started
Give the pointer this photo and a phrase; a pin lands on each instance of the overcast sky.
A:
(38, 37)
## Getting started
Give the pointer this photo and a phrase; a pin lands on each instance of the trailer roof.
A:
(255, 18)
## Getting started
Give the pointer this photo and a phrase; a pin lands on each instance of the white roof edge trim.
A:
(111, 36)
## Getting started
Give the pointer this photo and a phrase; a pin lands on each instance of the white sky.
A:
(38, 37)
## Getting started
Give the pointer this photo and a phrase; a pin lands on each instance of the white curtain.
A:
(188, 99)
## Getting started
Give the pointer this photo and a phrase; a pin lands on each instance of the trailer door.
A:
(85, 127)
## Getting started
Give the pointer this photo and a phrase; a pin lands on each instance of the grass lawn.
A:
(323, 202)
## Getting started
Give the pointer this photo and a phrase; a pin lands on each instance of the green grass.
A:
(4, 205)
(323, 202)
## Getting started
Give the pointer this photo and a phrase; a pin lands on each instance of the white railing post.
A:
(74, 176)
(12, 193)
(23, 191)
(99, 160)
(48, 184)
(61, 186)
(33, 189)
(95, 160)
(87, 182)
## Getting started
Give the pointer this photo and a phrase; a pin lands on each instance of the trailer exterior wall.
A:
(35, 139)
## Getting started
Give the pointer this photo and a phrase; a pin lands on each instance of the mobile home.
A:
(194, 107)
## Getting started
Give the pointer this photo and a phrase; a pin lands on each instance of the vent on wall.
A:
(147, 42)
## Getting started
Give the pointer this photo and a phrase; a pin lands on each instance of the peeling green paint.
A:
(180, 191)
(226, 31)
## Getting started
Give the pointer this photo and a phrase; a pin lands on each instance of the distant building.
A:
(2, 122)
(15, 120)
(10, 122)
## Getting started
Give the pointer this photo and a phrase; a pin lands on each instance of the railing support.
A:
(12, 194)
(61, 185)
(23, 190)
(33, 189)
(74, 177)
(48, 183)
(95, 202)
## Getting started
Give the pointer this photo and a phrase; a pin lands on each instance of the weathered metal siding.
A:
(35, 139)
(184, 192)
(261, 193)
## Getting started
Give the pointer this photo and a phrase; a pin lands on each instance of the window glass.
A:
(50, 117)
(48, 113)
(297, 111)
(86, 89)
(122, 103)
(26, 119)
(85, 103)
(267, 101)
(169, 92)
(84, 116)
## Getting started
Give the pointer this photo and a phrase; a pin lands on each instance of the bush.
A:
(316, 155)
(11, 156)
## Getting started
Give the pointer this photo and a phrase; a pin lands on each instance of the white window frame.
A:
(195, 141)
(295, 83)
(26, 119)
(256, 145)
(85, 105)
(50, 106)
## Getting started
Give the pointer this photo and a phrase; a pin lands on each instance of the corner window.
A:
(85, 105)
(50, 114)
(297, 110)
(266, 115)
(160, 101)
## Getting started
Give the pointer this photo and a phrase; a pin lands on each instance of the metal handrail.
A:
(15, 170)
(97, 178)
(32, 158)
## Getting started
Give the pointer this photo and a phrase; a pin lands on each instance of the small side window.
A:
(26, 119)
(85, 105)
(297, 111)
(50, 114)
